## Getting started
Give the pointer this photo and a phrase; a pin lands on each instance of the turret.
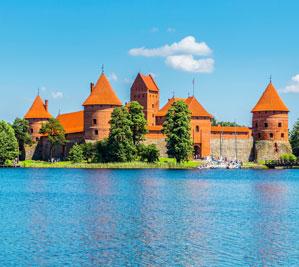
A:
(36, 116)
(98, 108)
(270, 125)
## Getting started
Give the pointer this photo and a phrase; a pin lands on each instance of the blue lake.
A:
(58, 217)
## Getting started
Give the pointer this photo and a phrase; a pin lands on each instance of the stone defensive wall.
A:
(232, 143)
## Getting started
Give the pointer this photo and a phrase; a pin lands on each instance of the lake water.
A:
(57, 217)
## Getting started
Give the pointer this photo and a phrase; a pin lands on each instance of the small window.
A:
(96, 132)
(31, 130)
(94, 121)
(259, 135)
(197, 128)
(153, 105)
(256, 125)
(279, 124)
(271, 135)
(153, 115)
(266, 125)
(282, 135)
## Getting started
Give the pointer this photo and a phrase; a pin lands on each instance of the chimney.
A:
(46, 104)
(91, 87)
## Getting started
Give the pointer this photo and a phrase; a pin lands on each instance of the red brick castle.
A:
(267, 139)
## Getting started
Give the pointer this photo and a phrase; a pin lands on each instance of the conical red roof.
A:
(102, 94)
(38, 110)
(270, 101)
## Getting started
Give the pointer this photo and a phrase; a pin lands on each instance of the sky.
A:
(230, 49)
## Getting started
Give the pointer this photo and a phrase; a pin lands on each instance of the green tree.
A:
(149, 153)
(21, 128)
(89, 151)
(8, 143)
(120, 140)
(177, 129)
(138, 122)
(76, 154)
(214, 122)
(55, 133)
(102, 151)
(294, 138)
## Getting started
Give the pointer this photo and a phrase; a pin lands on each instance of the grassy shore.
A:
(253, 165)
(164, 163)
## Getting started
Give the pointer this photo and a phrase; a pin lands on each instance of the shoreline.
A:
(162, 164)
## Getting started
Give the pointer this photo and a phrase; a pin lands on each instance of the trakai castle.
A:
(267, 139)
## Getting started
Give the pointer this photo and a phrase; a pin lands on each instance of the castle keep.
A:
(267, 139)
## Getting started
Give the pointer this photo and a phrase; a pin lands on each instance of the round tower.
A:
(98, 108)
(36, 116)
(270, 125)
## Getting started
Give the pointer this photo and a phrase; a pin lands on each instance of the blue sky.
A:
(232, 48)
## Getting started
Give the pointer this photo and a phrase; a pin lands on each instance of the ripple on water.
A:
(149, 217)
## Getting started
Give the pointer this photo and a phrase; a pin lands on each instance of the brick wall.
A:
(231, 148)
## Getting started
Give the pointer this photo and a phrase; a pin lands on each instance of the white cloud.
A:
(128, 80)
(113, 76)
(293, 86)
(295, 78)
(169, 29)
(187, 45)
(154, 29)
(185, 55)
(189, 64)
(57, 94)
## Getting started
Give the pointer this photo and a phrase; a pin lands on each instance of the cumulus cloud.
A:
(128, 80)
(154, 29)
(187, 45)
(293, 86)
(113, 77)
(189, 64)
(57, 94)
(169, 29)
(186, 55)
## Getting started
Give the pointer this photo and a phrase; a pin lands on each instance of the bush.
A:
(89, 151)
(76, 154)
(102, 151)
(288, 158)
(149, 153)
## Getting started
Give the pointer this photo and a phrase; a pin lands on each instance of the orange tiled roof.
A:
(102, 94)
(194, 106)
(232, 129)
(270, 101)
(37, 110)
(154, 127)
(149, 82)
(72, 122)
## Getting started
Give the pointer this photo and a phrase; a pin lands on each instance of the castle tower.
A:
(270, 125)
(145, 91)
(98, 108)
(36, 116)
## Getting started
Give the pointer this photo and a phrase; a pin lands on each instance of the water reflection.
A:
(270, 224)
(149, 218)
